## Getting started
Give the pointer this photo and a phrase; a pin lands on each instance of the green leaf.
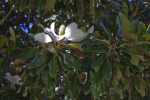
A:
(107, 33)
(10, 48)
(50, 4)
(83, 29)
(76, 45)
(95, 92)
(31, 80)
(5, 64)
(141, 29)
(107, 69)
(49, 86)
(1, 12)
(123, 23)
(125, 8)
(85, 88)
(136, 81)
(40, 69)
(74, 87)
(23, 5)
(146, 36)
(15, 54)
(35, 3)
(97, 48)
(39, 60)
(4, 41)
(95, 34)
(96, 77)
(53, 66)
(71, 61)
(29, 54)
(98, 61)
(134, 26)
(12, 32)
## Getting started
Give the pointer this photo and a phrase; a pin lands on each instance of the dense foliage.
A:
(111, 63)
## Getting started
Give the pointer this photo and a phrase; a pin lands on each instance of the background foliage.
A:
(112, 63)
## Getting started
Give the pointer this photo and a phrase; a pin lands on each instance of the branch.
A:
(136, 9)
(1, 22)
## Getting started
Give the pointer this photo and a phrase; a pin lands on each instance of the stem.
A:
(1, 22)
(136, 9)
(148, 28)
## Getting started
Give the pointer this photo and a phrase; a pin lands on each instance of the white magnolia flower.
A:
(43, 38)
(13, 79)
(72, 33)
(51, 32)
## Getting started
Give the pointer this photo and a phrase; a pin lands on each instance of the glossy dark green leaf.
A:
(107, 69)
(49, 86)
(141, 29)
(71, 61)
(97, 49)
(31, 80)
(136, 81)
(96, 77)
(5, 64)
(29, 54)
(95, 92)
(134, 26)
(74, 87)
(85, 88)
(98, 61)
(23, 5)
(39, 60)
(107, 33)
(125, 8)
(40, 69)
(61, 61)
(35, 3)
(123, 23)
(15, 53)
(53, 66)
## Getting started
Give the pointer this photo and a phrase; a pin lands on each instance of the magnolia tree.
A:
(75, 50)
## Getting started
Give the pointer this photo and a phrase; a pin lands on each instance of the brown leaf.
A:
(17, 61)
(121, 95)
(118, 73)
(25, 92)
(114, 81)
(91, 7)
(129, 36)
(127, 84)
(135, 59)
(126, 71)
(143, 85)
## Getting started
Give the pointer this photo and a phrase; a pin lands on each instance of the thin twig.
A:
(1, 22)
(136, 9)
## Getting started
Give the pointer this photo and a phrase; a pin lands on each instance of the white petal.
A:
(74, 35)
(52, 27)
(72, 25)
(43, 38)
(13, 79)
(90, 30)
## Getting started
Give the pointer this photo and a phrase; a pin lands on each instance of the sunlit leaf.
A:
(76, 45)
(12, 32)
(50, 4)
